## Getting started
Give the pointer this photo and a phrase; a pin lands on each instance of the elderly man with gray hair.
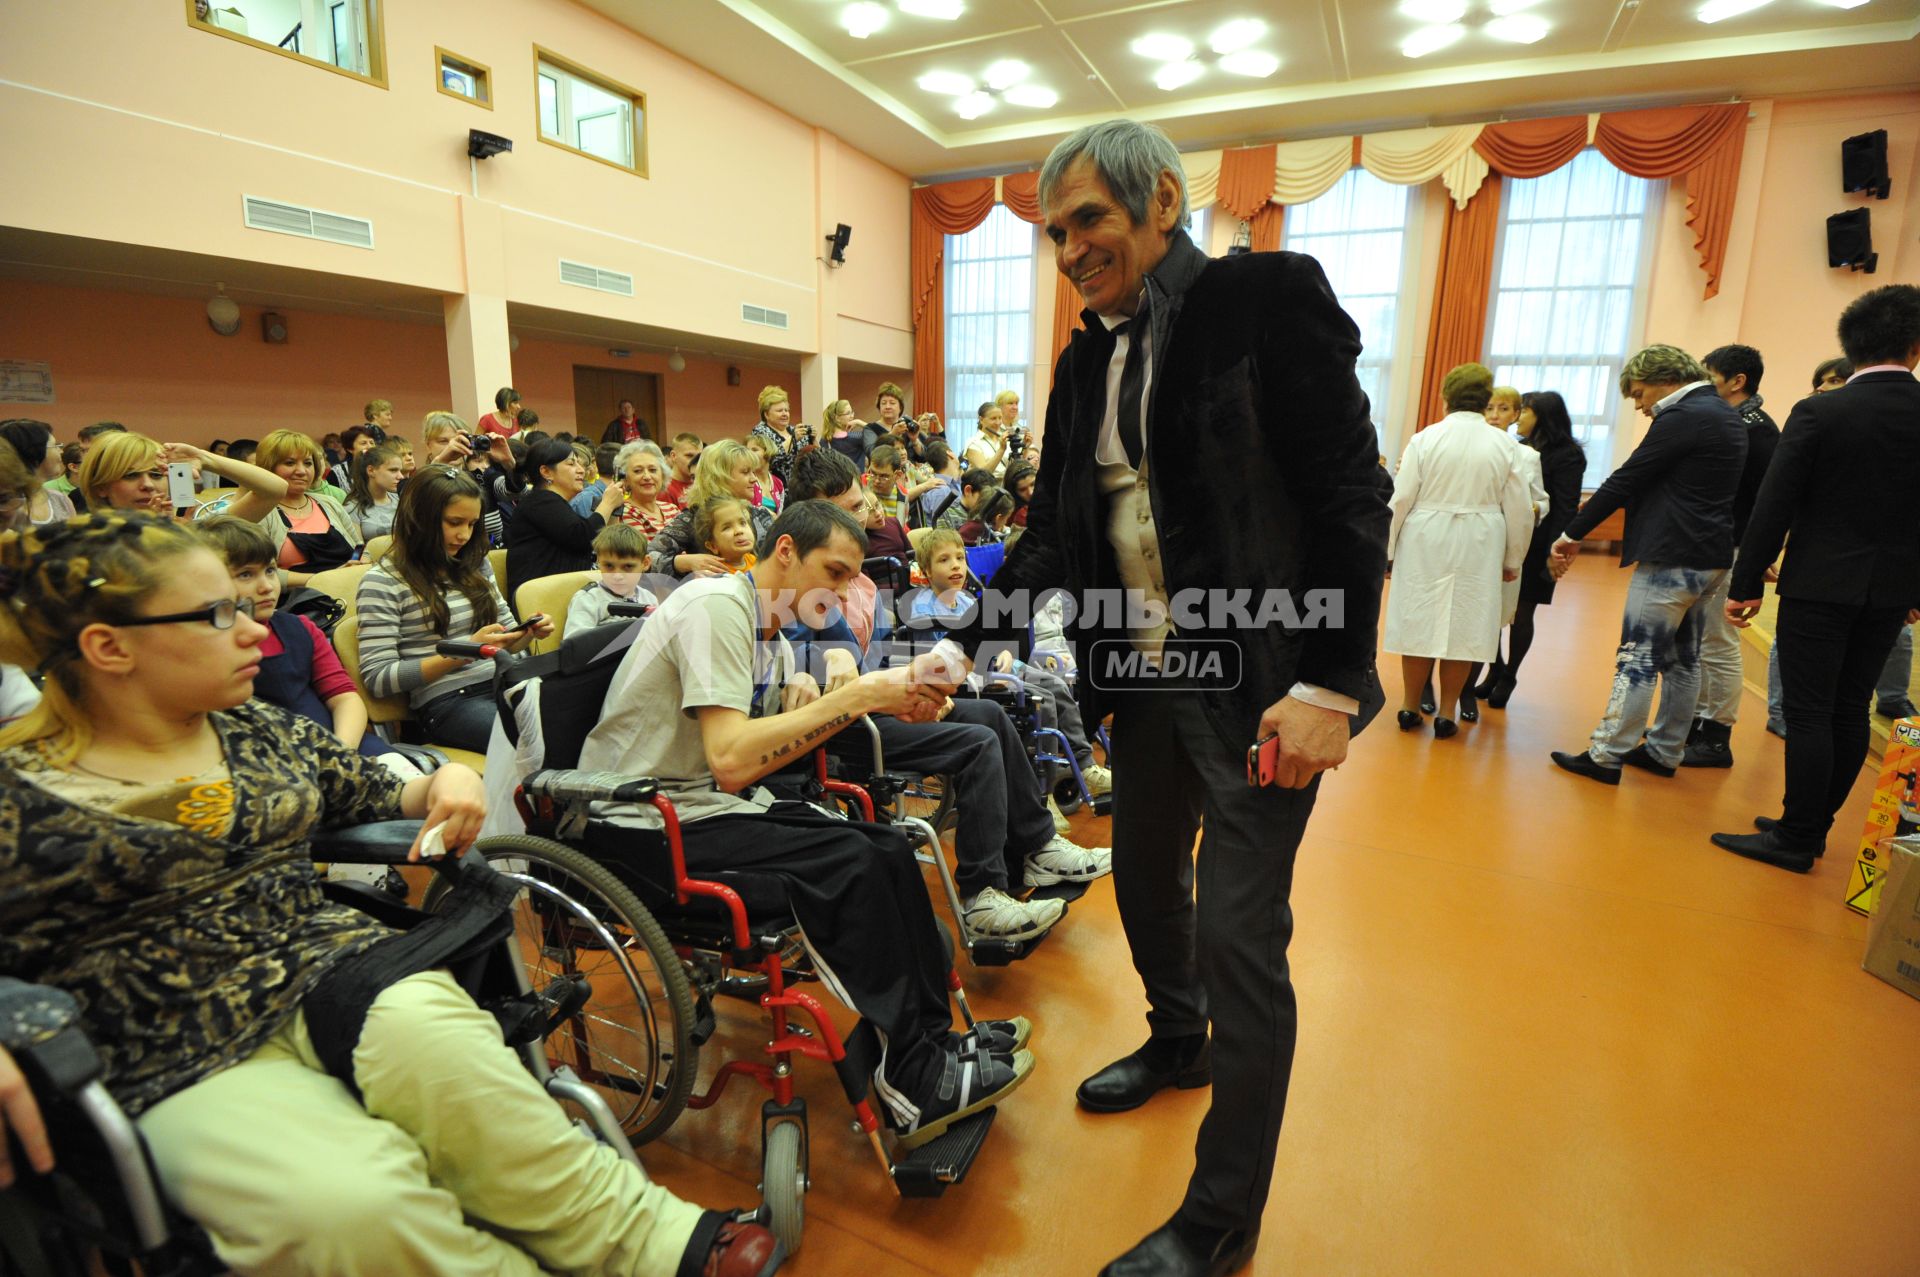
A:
(1678, 490)
(1249, 472)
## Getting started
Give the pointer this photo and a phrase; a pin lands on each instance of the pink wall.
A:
(697, 399)
(153, 363)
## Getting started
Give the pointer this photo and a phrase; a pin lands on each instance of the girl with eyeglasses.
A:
(158, 868)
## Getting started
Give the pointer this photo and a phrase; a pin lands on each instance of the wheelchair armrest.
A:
(426, 757)
(574, 785)
(37, 1028)
(383, 842)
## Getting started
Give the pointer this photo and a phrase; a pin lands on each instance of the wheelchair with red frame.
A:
(663, 944)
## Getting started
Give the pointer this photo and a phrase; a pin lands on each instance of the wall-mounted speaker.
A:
(733, 376)
(273, 328)
(1863, 165)
(1850, 240)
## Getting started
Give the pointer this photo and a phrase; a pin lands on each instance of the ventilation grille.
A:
(581, 275)
(308, 223)
(765, 316)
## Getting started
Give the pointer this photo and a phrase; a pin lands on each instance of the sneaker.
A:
(1060, 825)
(967, 1085)
(994, 915)
(1099, 779)
(1063, 861)
(994, 1037)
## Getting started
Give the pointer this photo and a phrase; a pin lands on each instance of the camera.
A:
(479, 443)
(1017, 442)
(803, 437)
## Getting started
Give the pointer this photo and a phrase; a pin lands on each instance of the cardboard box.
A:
(1893, 936)
(1893, 812)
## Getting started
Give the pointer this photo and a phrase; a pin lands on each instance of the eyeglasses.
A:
(219, 615)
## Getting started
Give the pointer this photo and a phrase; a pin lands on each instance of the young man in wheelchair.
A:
(1003, 829)
(707, 702)
(158, 869)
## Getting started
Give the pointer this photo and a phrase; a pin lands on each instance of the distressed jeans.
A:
(1659, 643)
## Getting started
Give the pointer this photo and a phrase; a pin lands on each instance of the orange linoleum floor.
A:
(1546, 1028)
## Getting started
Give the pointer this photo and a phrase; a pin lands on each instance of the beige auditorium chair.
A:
(342, 583)
(549, 596)
(384, 710)
(376, 548)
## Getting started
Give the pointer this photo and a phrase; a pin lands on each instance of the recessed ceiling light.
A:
(1501, 8)
(1031, 95)
(1176, 75)
(1237, 35)
(1843, 4)
(1715, 10)
(1254, 62)
(1006, 73)
(948, 9)
(1520, 28)
(950, 83)
(1437, 12)
(863, 19)
(1431, 40)
(1163, 48)
(973, 105)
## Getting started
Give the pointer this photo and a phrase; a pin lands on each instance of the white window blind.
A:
(1568, 263)
(989, 304)
(1358, 232)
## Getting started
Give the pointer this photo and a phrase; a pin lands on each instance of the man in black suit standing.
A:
(1847, 467)
(1208, 458)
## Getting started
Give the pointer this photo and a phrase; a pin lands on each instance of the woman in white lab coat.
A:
(1462, 516)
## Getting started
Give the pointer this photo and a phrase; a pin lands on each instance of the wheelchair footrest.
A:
(927, 1171)
(1067, 891)
(1001, 953)
(1102, 804)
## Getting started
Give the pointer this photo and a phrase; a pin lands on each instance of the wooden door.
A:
(597, 393)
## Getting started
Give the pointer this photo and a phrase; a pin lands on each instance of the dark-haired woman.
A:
(1546, 427)
(545, 536)
(33, 441)
(434, 584)
(157, 868)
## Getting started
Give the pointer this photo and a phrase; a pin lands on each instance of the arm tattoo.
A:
(827, 728)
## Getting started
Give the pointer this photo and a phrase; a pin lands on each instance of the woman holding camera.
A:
(775, 428)
(987, 450)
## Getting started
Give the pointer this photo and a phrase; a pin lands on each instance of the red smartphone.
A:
(1263, 756)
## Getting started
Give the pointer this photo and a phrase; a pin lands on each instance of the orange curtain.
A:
(950, 208)
(1020, 192)
(1266, 226)
(1460, 294)
(1530, 148)
(1246, 181)
(1702, 142)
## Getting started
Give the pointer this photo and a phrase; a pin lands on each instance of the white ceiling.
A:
(1341, 65)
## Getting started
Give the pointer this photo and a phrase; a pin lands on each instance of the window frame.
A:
(1018, 376)
(1639, 291)
(376, 73)
(639, 122)
(479, 72)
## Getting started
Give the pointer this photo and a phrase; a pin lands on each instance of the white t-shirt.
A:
(702, 647)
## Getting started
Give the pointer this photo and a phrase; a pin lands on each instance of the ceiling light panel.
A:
(1843, 4)
(1502, 8)
(1159, 47)
(1239, 34)
(1178, 75)
(863, 19)
(946, 83)
(944, 9)
(1431, 40)
(1006, 73)
(1031, 95)
(1720, 10)
(1434, 12)
(1257, 63)
(1519, 28)
(974, 105)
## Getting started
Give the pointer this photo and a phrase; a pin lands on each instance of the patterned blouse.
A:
(186, 918)
(782, 457)
(649, 526)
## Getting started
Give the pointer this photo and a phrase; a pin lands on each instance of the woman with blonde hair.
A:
(1462, 518)
(642, 468)
(128, 471)
(726, 469)
(776, 428)
(311, 532)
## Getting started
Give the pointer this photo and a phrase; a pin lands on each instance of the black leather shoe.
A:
(1427, 705)
(1483, 690)
(1896, 709)
(1767, 824)
(1163, 1253)
(1409, 720)
(1445, 728)
(1469, 708)
(1768, 850)
(1132, 1080)
(1642, 757)
(1502, 693)
(1582, 764)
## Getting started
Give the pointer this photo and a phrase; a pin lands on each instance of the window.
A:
(1200, 223)
(590, 114)
(1357, 231)
(1570, 258)
(989, 289)
(463, 78)
(347, 36)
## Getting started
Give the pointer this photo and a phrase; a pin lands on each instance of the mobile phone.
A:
(180, 489)
(526, 623)
(1263, 757)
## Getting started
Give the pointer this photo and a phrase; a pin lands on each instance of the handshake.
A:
(917, 692)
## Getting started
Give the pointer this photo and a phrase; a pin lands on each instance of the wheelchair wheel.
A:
(930, 800)
(633, 1041)
(783, 1185)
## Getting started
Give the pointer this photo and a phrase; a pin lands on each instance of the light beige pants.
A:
(457, 1163)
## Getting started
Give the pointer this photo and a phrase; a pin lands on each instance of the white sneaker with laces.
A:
(994, 915)
(1060, 825)
(1099, 779)
(1063, 861)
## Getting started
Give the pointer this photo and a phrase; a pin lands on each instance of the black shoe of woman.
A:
(1483, 690)
(1427, 705)
(1444, 728)
(1409, 720)
(1469, 708)
(1501, 694)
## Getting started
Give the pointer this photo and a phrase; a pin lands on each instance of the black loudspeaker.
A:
(1850, 240)
(1863, 165)
(837, 243)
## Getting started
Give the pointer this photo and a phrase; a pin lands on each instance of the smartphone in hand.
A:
(526, 623)
(1263, 758)
(180, 488)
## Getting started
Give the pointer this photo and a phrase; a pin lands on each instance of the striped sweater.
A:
(397, 636)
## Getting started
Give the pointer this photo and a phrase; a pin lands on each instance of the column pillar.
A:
(479, 359)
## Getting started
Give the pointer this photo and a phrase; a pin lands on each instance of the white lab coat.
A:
(1461, 514)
